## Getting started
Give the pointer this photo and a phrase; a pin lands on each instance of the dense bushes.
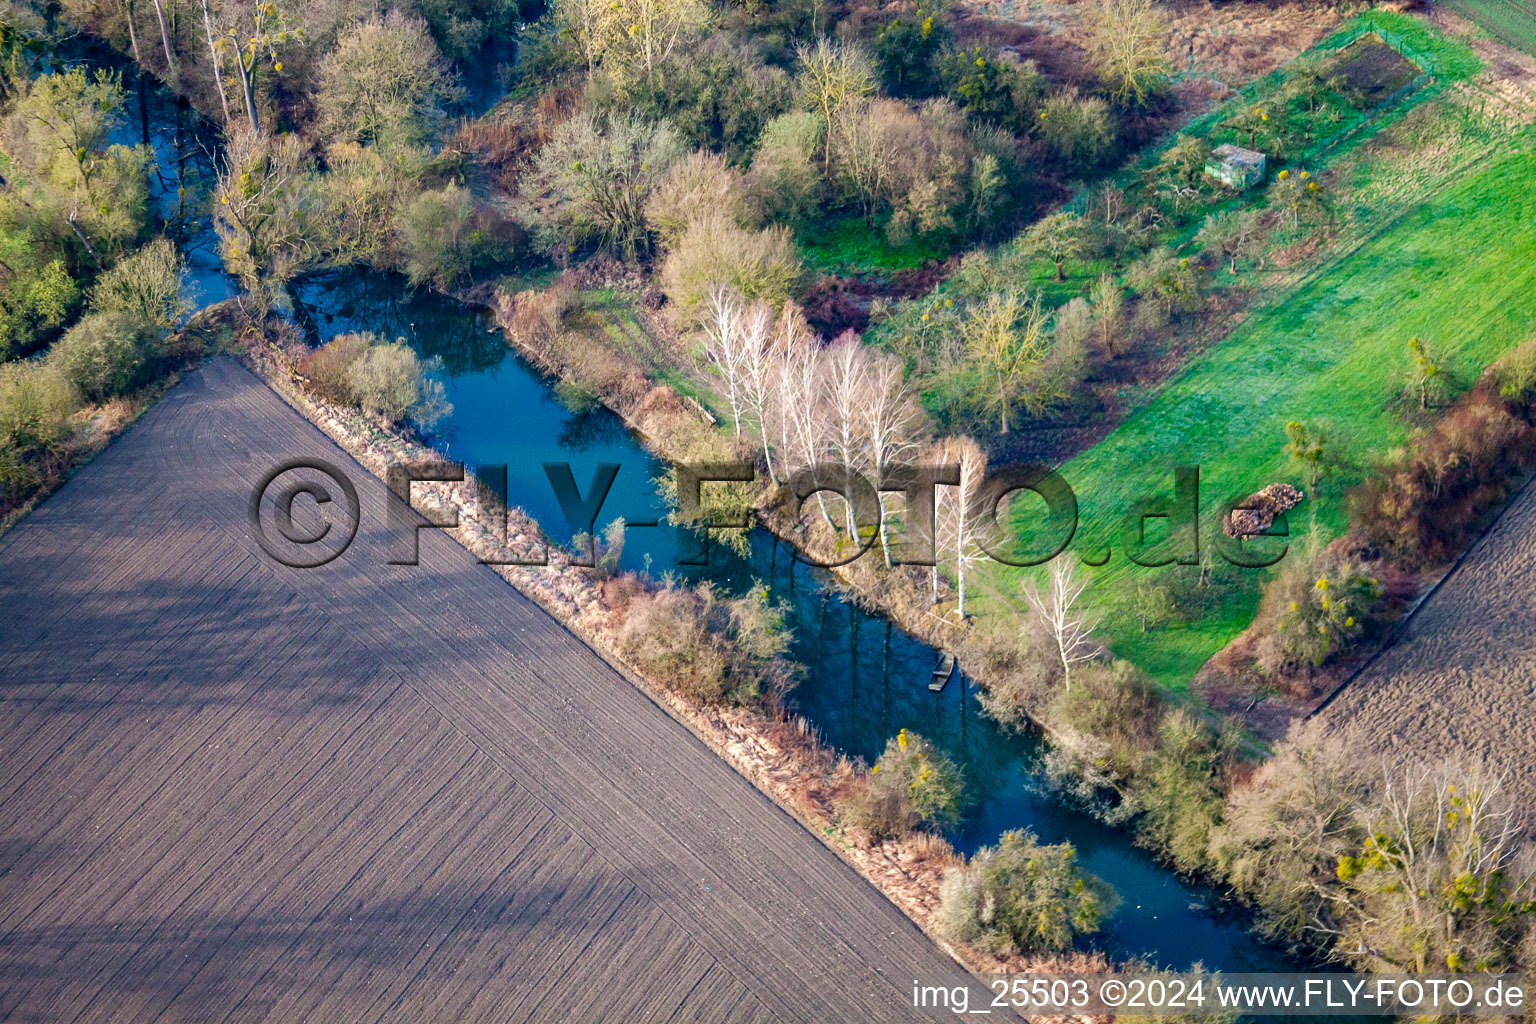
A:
(708, 648)
(1424, 504)
(442, 238)
(719, 97)
(1022, 896)
(1400, 866)
(145, 288)
(35, 406)
(714, 250)
(911, 786)
(385, 83)
(103, 355)
(785, 183)
(700, 183)
(384, 379)
(1178, 789)
(921, 166)
(589, 184)
(1314, 611)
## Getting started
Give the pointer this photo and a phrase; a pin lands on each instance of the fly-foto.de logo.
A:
(304, 513)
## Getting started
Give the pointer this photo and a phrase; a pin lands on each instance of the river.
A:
(863, 678)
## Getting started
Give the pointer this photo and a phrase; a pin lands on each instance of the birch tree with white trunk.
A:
(1056, 608)
(892, 421)
(958, 526)
(723, 321)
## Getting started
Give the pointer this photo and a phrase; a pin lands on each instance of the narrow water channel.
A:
(864, 679)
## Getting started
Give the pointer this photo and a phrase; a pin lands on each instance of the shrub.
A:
(440, 237)
(390, 381)
(719, 97)
(1315, 610)
(1077, 128)
(102, 355)
(1022, 896)
(35, 406)
(998, 89)
(326, 368)
(145, 287)
(1285, 830)
(385, 83)
(1116, 703)
(707, 649)
(34, 305)
(699, 184)
(358, 199)
(912, 785)
(1177, 790)
(920, 165)
(589, 183)
(1515, 375)
(1424, 503)
(785, 182)
(715, 250)
(907, 53)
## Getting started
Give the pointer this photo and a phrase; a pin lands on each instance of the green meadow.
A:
(1455, 267)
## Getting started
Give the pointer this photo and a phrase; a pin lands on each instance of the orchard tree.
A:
(1107, 301)
(1234, 235)
(1007, 340)
(1424, 376)
(385, 83)
(1058, 238)
(1307, 445)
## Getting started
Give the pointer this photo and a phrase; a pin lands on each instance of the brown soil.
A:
(1461, 681)
(1231, 42)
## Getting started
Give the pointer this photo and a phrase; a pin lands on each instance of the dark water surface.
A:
(864, 678)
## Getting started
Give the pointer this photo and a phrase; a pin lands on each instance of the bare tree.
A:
(133, 36)
(833, 75)
(846, 388)
(1127, 47)
(165, 42)
(213, 58)
(891, 424)
(958, 526)
(1057, 610)
(1108, 303)
(1443, 860)
(723, 319)
(757, 361)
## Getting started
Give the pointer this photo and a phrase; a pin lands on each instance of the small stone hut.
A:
(1238, 167)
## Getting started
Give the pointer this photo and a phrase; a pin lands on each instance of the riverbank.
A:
(782, 757)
